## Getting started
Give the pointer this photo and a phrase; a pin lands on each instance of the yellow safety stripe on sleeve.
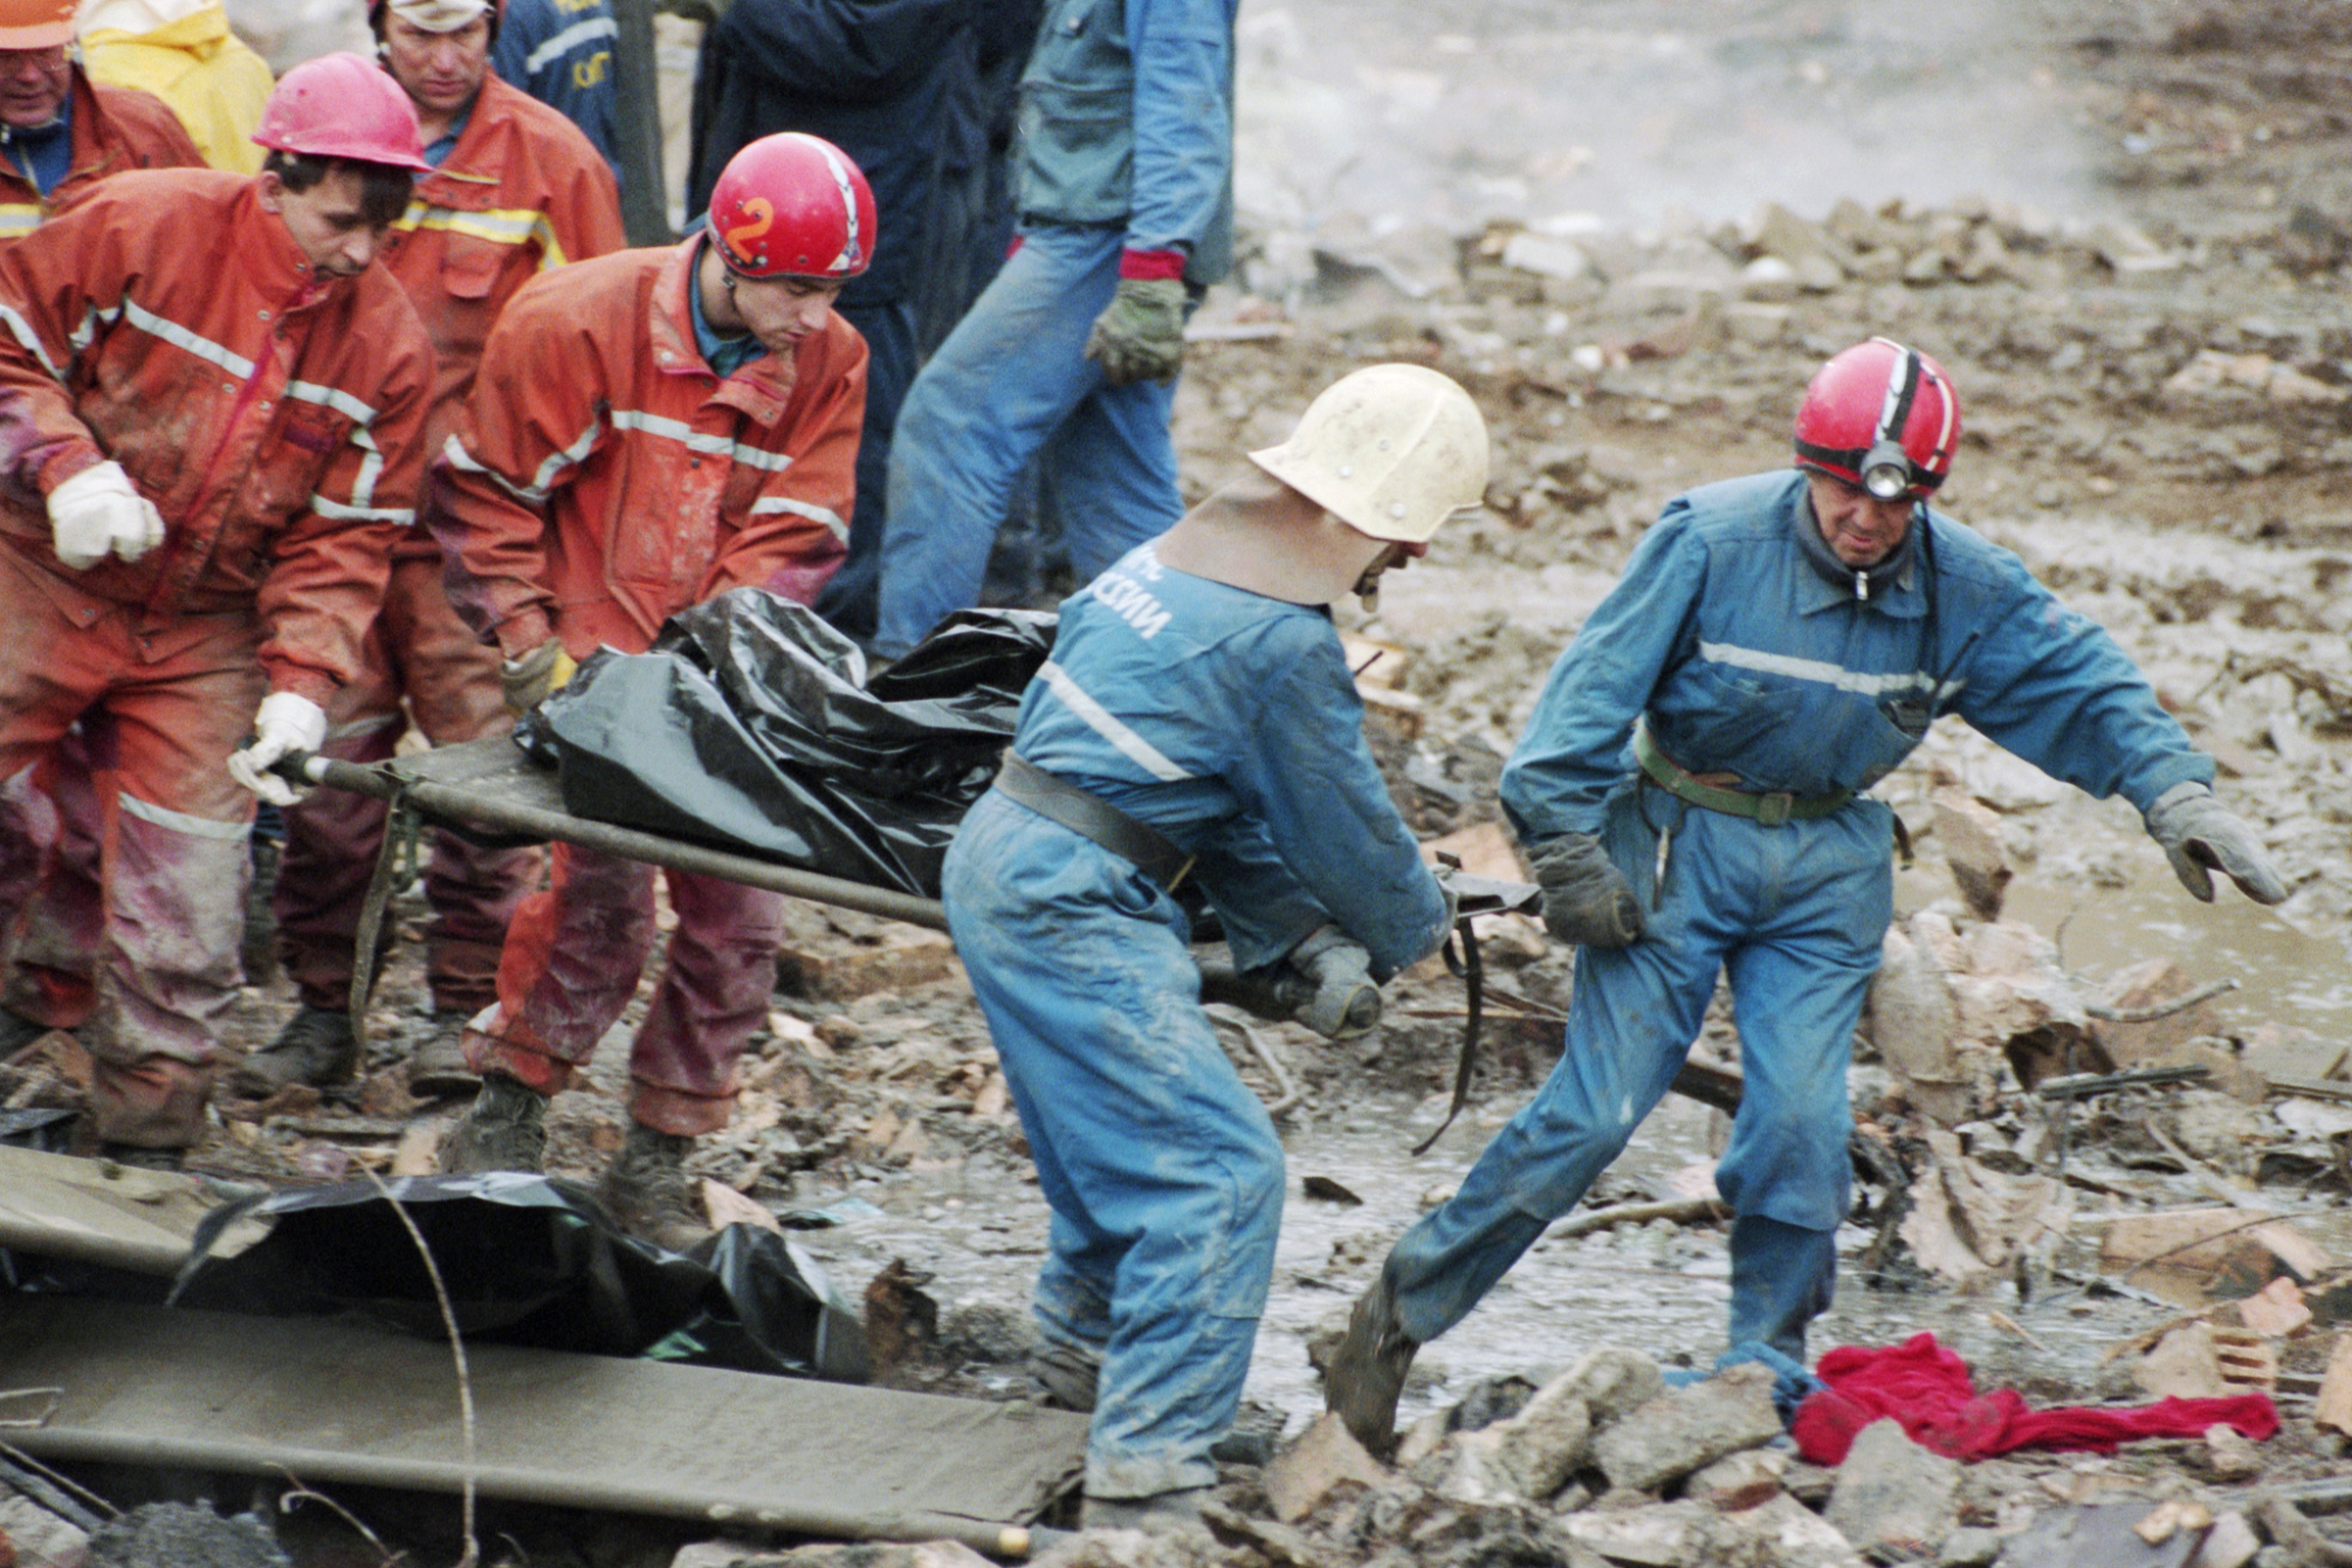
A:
(17, 219)
(501, 225)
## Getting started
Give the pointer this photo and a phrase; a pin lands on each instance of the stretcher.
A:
(490, 792)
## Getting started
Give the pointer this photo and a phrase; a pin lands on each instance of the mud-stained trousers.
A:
(52, 908)
(1796, 917)
(1012, 375)
(1162, 1169)
(570, 965)
(175, 695)
(420, 648)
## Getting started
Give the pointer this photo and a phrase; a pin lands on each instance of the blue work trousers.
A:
(889, 329)
(1011, 374)
(1162, 1169)
(1795, 914)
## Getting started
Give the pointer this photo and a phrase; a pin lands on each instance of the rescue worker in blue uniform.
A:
(1126, 198)
(1196, 724)
(1690, 793)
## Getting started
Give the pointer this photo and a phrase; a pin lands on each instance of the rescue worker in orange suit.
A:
(63, 134)
(211, 407)
(516, 190)
(649, 429)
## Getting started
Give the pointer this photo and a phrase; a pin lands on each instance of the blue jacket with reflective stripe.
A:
(1229, 722)
(561, 53)
(1127, 119)
(1746, 660)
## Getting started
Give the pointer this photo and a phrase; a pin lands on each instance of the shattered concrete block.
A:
(1894, 1499)
(1971, 1548)
(1468, 1469)
(1324, 1455)
(1546, 256)
(1816, 259)
(1969, 1221)
(2230, 1454)
(2157, 1042)
(2334, 1410)
(1971, 839)
(2275, 1312)
(1423, 1439)
(1786, 1534)
(2199, 1360)
(1768, 281)
(1755, 323)
(2231, 1543)
(1686, 1429)
(1612, 1383)
(1544, 1444)
(1659, 1534)
(894, 957)
(1743, 1480)
(1911, 1019)
(2182, 1255)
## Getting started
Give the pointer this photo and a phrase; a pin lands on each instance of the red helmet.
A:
(1883, 417)
(793, 205)
(341, 106)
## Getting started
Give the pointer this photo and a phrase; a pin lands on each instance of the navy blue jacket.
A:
(887, 81)
(561, 53)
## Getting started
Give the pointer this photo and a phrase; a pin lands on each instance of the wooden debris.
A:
(2188, 1255)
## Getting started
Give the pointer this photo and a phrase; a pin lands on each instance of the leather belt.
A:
(1092, 818)
(1770, 808)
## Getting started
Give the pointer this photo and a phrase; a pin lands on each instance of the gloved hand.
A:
(99, 512)
(284, 723)
(1140, 334)
(2199, 832)
(529, 681)
(1587, 900)
(1343, 1002)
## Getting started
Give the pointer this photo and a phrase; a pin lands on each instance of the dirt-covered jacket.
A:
(522, 192)
(603, 477)
(113, 129)
(173, 324)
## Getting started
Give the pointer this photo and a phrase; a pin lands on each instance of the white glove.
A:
(99, 512)
(284, 723)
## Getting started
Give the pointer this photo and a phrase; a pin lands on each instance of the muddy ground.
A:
(2133, 225)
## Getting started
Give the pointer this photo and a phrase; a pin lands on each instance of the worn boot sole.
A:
(1366, 1374)
(266, 1071)
(438, 1070)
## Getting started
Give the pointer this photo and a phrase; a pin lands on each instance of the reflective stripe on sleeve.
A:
(197, 828)
(1103, 723)
(772, 506)
(1820, 671)
(696, 441)
(570, 38)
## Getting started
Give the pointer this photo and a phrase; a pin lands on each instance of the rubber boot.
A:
(316, 1047)
(1067, 1373)
(1366, 1374)
(438, 1069)
(505, 1130)
(648, 1192)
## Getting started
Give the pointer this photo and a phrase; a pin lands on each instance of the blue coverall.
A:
(1127, 150)
(1228, 722)
(1740, 642)
(561, 53)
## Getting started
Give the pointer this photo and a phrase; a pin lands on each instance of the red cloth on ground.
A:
(1929, 1390)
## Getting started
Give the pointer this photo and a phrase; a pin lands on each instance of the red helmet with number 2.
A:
(793, 205)
(1883, 417)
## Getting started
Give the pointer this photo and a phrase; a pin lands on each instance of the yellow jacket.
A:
(213, 81)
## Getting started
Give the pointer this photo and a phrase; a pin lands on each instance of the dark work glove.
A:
(1140, 334)
(1343, 1002)
(1587, 900)
(2201, 834)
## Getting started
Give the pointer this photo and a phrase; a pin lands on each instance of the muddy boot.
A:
(648, 1192)
(316, 1047)
(1067, 1374)
(506, 1130)
(1160, 1514)
(438, 1070)
(1366, 1374)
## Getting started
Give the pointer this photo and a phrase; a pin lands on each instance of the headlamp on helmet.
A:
(1881, 417)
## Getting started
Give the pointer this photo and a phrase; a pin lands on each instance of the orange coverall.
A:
(601, 479)
(171, 325)
(523, 191)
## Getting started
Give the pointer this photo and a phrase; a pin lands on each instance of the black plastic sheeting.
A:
(750, 726)
(528, 1260)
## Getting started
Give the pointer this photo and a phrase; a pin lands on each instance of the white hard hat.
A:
(1390, 450)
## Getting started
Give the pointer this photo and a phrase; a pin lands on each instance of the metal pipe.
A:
(514, 1483)
(452, 805)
